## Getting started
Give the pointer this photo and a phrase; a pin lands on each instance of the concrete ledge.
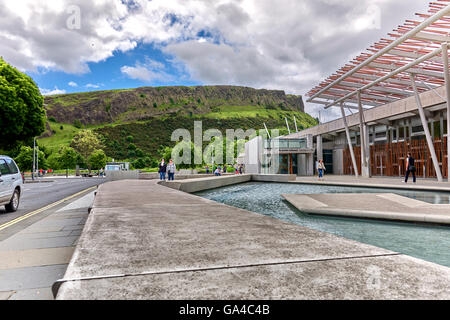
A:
(196, 185)
(374, 206)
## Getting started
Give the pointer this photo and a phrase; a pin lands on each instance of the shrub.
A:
(52, 119)
(77, 124)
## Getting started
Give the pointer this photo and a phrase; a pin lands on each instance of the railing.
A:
(285, 144)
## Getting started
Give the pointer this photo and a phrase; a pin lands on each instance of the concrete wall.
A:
(338, 161)
(122, 175)
(253, 153)
(273, 177)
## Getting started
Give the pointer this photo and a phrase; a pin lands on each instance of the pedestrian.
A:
(217, 172)
(171, 168)
(224, 168)
(220, 170)
(101, 172)
(207, 170)
(410, 168)
(162, 170)
(240, 169)
(321, 169)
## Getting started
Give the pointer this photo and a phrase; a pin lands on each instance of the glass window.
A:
(12, 166)
(4, 167)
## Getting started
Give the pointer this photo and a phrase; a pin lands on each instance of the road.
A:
(38, 195)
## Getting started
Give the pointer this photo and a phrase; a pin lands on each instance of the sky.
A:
(292, 45)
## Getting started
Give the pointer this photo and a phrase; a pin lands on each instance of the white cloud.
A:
(148, 71)
(280, 44)
(73, 84)
(92, 86)
(49, 92)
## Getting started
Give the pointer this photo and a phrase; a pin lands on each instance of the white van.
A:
(11, 184)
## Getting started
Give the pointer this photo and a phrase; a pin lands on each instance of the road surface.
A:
(38, 195)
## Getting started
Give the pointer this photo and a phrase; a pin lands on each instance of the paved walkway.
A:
(386, 206)
(377, 182)
(146, 241)
(34, 258)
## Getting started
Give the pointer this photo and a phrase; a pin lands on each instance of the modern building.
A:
(394, 99)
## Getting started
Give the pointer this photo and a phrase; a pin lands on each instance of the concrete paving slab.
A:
(386, 206)
(5, 295)
(395, 277)
(33, 294)
(174, 245)
(35, 257)
(30, 278)
(84, 202)
(20, 243)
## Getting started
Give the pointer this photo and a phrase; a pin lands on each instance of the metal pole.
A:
(267, 131)
(287, 125)
(364, 167)
(349, 140)
(426, 129)
(37, 159)
(447, 87)
(34, 158)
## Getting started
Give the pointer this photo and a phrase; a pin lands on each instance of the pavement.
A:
(146, 241)
(37, 245)
(377, 182)
(387, 206)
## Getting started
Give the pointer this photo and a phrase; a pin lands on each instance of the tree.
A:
(25, 159)
(85, 143)
(68, 158)
(97, 159)
(22, 115)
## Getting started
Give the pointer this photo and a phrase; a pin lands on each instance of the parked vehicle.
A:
(11, 184)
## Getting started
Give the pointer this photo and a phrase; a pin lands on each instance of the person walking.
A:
(240, 169)
(162, 170)
(171, 168)
(410, 168)
(321, 168)
(224, 168)
(207, 169)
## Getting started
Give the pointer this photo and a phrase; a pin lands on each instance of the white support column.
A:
(349, 140)
(426, 129)
(447, 87)
(319, 148)
(364, 165)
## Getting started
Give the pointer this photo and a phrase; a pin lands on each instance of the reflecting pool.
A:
(427, 242)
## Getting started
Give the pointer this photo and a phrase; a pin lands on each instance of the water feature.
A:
(427, 242)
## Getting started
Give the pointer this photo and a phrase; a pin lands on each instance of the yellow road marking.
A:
(28, 215)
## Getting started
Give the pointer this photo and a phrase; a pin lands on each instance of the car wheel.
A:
(13, 205)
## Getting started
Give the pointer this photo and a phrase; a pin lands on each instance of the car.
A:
(11, 184)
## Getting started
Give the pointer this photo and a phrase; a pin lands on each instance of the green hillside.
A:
(145, 118)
